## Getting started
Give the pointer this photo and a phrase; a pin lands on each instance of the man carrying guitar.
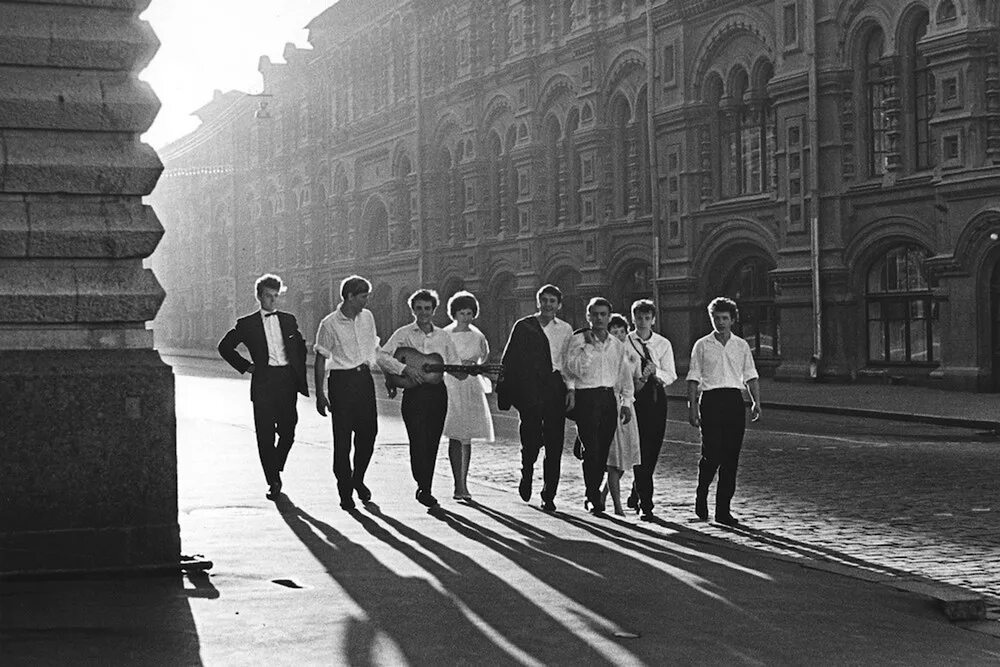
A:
(425, 404)
(346, 349)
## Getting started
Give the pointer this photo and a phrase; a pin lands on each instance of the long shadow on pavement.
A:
(647, 590)
(424, 622)
(135, 621)
(503, 607)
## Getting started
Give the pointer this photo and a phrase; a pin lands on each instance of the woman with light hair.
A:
(468, 412)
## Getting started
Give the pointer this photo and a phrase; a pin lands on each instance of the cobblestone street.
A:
(888, 496)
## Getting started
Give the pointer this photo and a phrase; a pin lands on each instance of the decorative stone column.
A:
(87, 432)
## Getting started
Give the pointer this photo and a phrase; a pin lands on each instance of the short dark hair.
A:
(618, 320)
(723, 304)
(428, 295)
(269, 280)
(352, 285)
(600, 301)
(643, 306)
(461, 300)
(549, 288)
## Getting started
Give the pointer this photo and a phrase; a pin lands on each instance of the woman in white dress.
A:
(468, 412)
(624, 453)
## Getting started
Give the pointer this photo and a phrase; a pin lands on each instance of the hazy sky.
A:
(209, 44)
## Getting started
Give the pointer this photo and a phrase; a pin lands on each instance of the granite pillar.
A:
(87, 428)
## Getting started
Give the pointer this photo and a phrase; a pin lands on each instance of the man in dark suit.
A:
(533, 383)
(278, 367)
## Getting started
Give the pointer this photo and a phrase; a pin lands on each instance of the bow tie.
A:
(272, 313)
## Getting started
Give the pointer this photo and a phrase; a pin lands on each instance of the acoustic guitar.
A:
(434, 368)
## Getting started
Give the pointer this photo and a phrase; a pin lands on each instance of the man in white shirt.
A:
(277, 366)
(425, 405)
(347, 347)
(534, 383)
(721, 365)
(658, 371)
(597, 368)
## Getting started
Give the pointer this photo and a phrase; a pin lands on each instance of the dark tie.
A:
(273, 312)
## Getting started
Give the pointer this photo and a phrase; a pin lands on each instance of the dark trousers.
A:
(352, 410)
(545, 426)
(274, 413)
(651, 418)
(424, 408)
(723, 423)
(597, 419)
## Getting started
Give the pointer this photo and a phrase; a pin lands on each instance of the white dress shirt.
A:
(275, 344)
(661, 352)
(410, 335)
(348, 343)
(718, 366)
(597, 364)
(558, 333)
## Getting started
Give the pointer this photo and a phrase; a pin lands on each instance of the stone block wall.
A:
(87, 429)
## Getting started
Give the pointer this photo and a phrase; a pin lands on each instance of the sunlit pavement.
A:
(300, 581)
(500, 582)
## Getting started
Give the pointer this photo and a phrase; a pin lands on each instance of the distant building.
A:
(497, 145)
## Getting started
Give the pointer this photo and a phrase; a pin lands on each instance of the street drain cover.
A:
(287, 583)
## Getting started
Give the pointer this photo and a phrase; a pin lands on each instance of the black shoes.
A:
(274, 490)
(701, 507)
(346, 504)
(425, 498)
(548, 506)
(632, 502)
(647, 515)
(727, 520)
(524, 488)
(364, 493)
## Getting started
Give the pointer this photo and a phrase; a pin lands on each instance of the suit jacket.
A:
(527, 365)
(249, 331)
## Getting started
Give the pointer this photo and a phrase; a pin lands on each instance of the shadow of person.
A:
(135, 620)
(533, 632)
(203, 587)
(639, 585)
(423, 621)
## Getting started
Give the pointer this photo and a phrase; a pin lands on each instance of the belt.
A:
(356, 369)
(607, 389)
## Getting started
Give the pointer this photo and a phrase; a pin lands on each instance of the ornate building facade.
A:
(833, 165)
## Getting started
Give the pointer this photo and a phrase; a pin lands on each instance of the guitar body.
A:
(433, 366)
(417, 359)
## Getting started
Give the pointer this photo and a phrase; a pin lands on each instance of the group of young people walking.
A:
(607, 378)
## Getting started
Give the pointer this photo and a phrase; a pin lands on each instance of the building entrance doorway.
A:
(995, 324)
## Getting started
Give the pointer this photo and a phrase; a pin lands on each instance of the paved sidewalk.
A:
(921, 404)
(497, 582)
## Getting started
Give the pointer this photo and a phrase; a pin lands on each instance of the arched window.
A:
(503, 312)
(752, 290)
(554, 166)
(494, 175)
(631, 283)
(901, 312)
(946, 11)
(873, 98)
(573, 171)
(620, 139)
(376, 226)
(573, 307)
(642, 152)
(920, 82)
